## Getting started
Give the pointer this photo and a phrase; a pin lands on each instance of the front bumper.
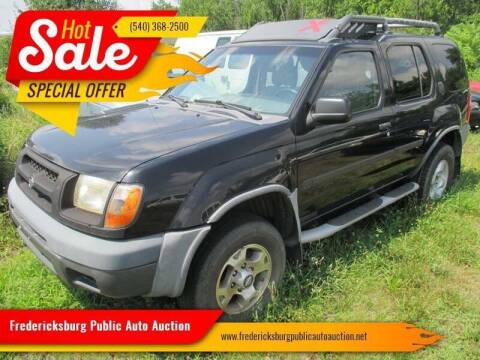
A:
(148, 266)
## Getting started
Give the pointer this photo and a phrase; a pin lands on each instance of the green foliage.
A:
(436, 10)
(467, 36)
(220, 13)
(16, 123)
(163, 5)
(71, 4)
(242, 14)
(236, 14)
(5, 42)
(7, 102)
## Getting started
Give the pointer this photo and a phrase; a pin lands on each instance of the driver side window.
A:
(354, 76)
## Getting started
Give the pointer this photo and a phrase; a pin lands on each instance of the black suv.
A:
(303, 129)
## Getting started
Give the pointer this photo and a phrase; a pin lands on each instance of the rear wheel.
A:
(236, 268)
(437, 175)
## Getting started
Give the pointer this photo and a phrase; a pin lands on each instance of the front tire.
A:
(236, 268)
(437, 174)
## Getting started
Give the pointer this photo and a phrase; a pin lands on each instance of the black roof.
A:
(353, 27)
(312, 29)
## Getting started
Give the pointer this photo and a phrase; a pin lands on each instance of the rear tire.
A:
(437, 174)
(236, 268)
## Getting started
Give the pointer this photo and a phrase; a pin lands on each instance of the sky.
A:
(9, 10)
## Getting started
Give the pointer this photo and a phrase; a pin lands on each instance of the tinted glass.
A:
(451, 67)
(354, 76)
(404, 72)
(424, 71)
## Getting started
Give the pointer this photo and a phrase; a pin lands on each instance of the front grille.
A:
(41, 180)
(38, 168)
(51, 187)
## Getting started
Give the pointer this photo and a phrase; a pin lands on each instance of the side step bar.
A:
(341, 222)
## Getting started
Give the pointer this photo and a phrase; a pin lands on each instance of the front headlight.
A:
(91, 193)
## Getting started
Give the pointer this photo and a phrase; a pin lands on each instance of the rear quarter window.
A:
(404, 70)
(423, 71)
(451, 67)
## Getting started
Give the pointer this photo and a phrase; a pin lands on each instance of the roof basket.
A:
(365, 27)
(406, 23)
(348, 27)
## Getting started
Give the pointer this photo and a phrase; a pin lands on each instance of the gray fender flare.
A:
(180, 247)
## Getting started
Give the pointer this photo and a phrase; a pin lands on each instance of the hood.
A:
(109, 145)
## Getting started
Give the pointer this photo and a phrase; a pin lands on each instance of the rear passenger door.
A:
(413, 102)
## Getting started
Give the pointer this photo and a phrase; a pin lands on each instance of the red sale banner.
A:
(60, 59)
(74, 45)
(105, 326)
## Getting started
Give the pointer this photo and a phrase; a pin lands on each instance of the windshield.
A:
(263, 78)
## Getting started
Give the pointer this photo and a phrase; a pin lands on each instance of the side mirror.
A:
(330, 111)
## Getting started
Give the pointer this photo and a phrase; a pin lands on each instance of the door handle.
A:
(385, 126)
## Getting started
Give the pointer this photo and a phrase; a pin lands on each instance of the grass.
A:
(412, 263)
(16, 124)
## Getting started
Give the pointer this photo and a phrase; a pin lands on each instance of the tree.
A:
(466, 36)
(71, 4)
(242, 14)
(163, 5)
(5, 43)
(221, 13)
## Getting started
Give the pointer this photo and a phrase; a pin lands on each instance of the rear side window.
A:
(354, 76)
(423, 71)
(451, 67)
(404, 73)
(412, 78)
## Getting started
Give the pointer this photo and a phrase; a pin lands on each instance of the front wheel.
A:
(236, 268)
(437, 175)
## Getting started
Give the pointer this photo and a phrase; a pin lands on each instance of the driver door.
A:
(338, 163)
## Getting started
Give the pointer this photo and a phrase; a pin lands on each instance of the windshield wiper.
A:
(246, 110)
(179, 101)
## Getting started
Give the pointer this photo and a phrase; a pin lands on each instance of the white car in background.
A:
(197, 47)
(205, 42)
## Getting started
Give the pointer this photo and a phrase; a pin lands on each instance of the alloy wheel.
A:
(243, 279)
(439, 182)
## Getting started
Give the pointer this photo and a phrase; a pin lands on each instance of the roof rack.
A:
(358, 26)
(348, 27)
(402, 23)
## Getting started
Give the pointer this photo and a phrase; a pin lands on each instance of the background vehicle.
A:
(206, 42)
(205, 193)
(475, 115)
